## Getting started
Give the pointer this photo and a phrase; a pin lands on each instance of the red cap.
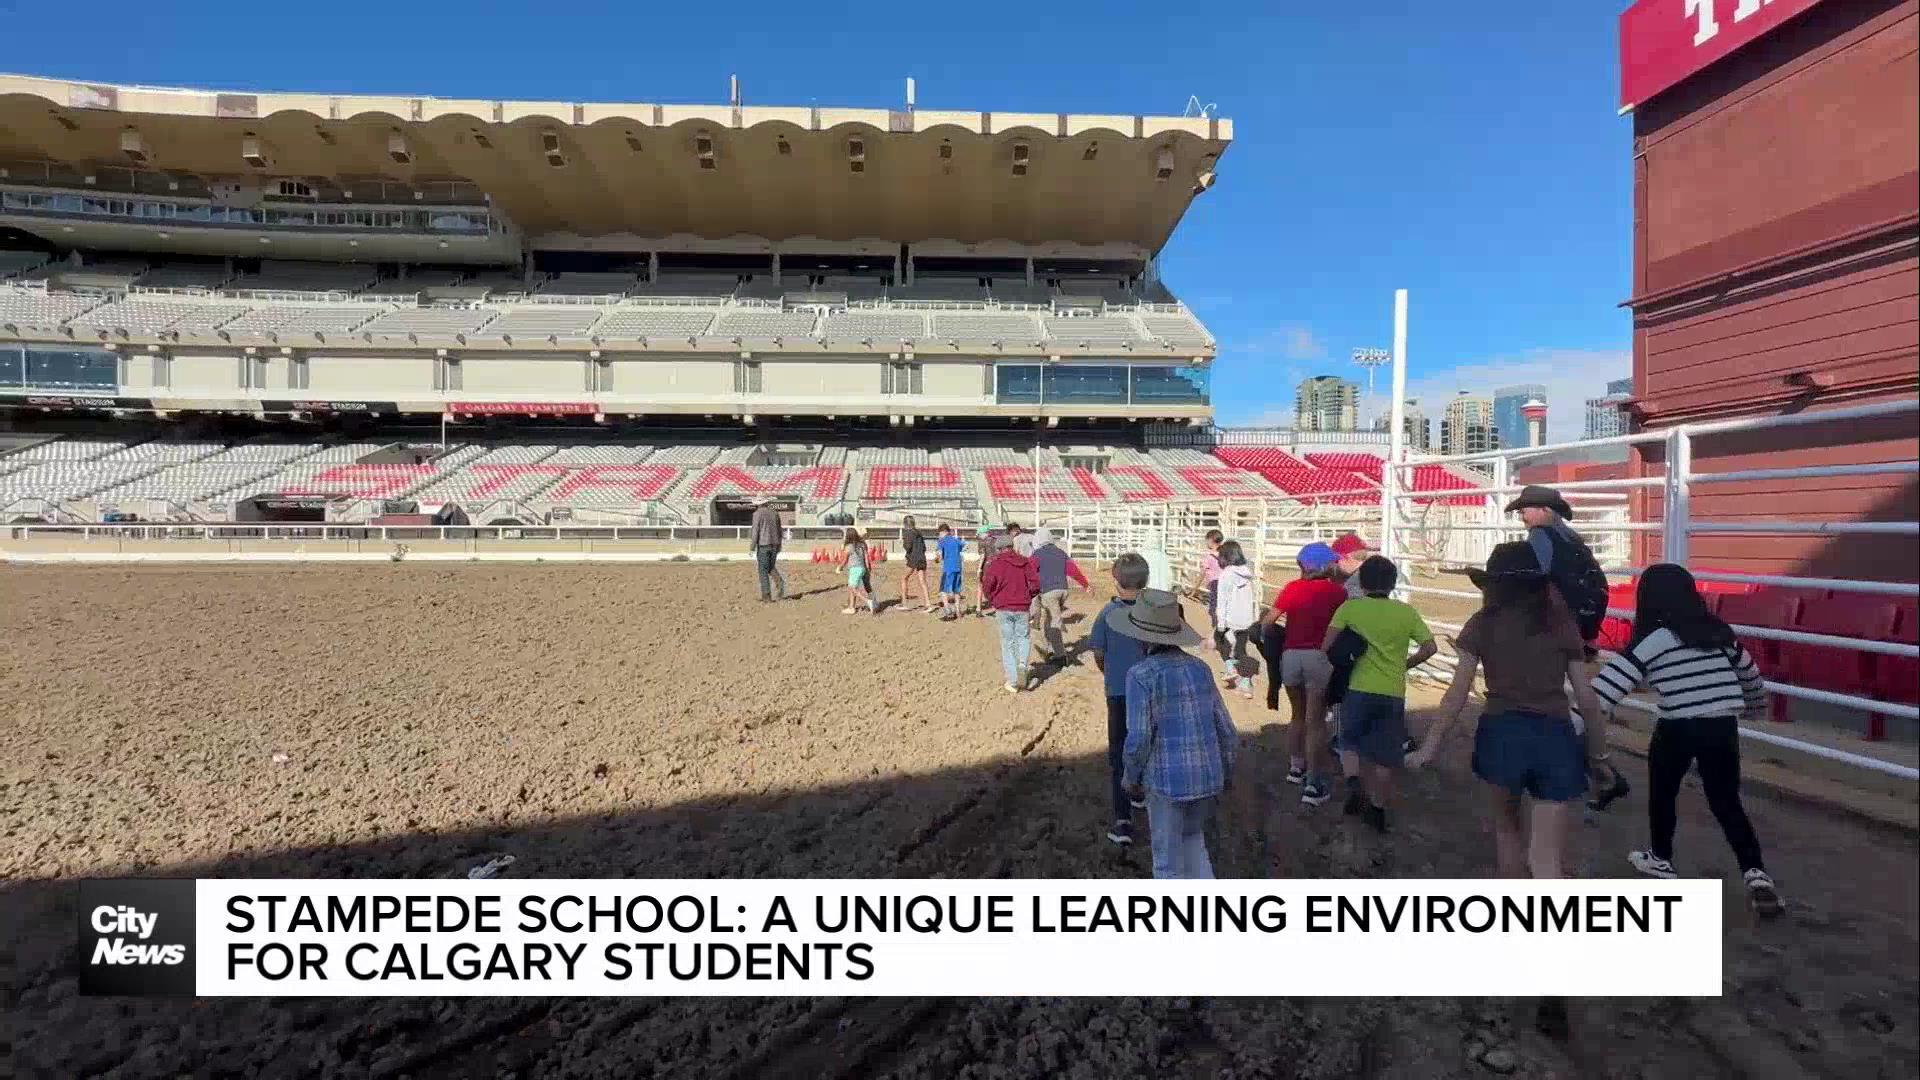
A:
(1348, 544)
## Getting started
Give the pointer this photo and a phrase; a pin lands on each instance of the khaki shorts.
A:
(1305, 667)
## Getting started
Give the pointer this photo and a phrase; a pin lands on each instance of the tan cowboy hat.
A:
(1154, 617)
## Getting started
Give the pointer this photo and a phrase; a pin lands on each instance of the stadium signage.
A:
(375, 407)
(77, 401)
(524, 408)
(1664, 41)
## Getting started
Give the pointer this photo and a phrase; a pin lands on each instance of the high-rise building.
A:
(1467, 427)
(1509, 418)
(1326, 403)
(1605, 415)
(1413, 421)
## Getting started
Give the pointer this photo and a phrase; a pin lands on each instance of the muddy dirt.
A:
(655, 721)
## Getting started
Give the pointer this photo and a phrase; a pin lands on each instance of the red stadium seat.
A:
(1899, 676)
(1774, 610)
(1824, 667)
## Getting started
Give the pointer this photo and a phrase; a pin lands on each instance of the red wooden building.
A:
(1777, 261)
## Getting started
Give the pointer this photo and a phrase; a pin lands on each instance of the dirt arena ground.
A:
(652, 721)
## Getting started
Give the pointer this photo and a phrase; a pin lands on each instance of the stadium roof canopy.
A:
(581, 171)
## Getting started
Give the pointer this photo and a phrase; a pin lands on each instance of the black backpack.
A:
(1576, 573)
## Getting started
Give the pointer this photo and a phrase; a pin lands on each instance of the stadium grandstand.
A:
(206, 298)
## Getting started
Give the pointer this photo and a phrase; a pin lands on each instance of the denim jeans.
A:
(766, 561)
(1116, 751)
(1179, 836)
(1013, 645)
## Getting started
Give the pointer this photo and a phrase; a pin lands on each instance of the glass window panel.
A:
(1186, 384)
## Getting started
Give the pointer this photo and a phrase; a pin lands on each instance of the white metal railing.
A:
(1677, 525)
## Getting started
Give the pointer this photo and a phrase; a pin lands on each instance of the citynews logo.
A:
(137, 937)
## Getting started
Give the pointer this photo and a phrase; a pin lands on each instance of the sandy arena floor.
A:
(652, 721)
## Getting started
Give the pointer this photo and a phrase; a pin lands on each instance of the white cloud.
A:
(1291, 342)
(1571, 376)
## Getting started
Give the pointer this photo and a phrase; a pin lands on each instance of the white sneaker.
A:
(1651, 865)
(1762, 893)
(849, 611)
(1010, 688)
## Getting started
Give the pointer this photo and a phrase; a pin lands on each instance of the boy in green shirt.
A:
(1373, 715)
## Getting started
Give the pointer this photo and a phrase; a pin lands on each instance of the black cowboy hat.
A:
(1514, 559)
(1542, 496)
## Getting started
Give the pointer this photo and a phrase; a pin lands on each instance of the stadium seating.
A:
(70, 450)
(623, 484)
(194, 481)
(1899, 676)
(429, 322)
(1258, 457)
(763, 324)
(1175, 330)
(1023, 485)
(164, 452)
(1083, 332)
(974, 458)
(908, 483)
(685, 457)
(633, 323)
(134, 316)
(64, 480)
(815, 485)
(1846, 671)
(1321, 485)
(1004, 328)
(1436, 478)
(543, 321)
(39, 309)
(281, 321)
(596, 454)
(1367, 465)
(866, 324)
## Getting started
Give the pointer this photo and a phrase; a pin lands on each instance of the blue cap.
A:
(1317, 556)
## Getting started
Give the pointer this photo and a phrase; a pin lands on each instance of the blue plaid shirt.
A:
(1180, 740)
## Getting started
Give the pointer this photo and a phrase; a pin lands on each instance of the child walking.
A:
(1237, 613)
(1180, 740)
(1706, 682)
(952, 551)
(1373, 715)
(1115, 654)
(1527, 645)
(853, 555)
(1306, 606)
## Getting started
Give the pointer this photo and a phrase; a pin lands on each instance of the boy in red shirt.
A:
(1307, 605)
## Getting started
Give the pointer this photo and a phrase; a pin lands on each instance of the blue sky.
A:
(1468, 152)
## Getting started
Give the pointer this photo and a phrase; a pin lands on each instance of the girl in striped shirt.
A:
(1706, 683)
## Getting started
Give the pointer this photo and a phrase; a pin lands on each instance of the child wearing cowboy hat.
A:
(1180, 740)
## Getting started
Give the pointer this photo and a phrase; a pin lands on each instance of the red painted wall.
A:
(1776, 269)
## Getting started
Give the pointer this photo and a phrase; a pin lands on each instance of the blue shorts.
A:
(1532, 754)
(856, 578)
(1373, 726)
(950, 581)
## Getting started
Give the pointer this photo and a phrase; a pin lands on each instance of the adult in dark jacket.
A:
(1008, 585)
(913, 549)
(764, 537)
(1050, 607)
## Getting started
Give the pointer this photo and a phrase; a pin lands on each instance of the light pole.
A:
(1039, 432)
(1371, 359)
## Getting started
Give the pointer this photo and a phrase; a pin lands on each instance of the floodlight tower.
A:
(1372, 360)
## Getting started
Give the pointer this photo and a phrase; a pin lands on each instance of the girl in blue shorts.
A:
(1526, 746)
(853, 553)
